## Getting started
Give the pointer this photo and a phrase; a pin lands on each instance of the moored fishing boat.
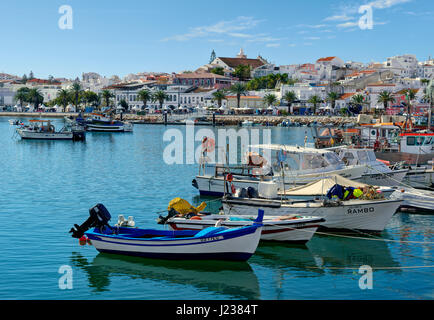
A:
(102, 122)
(300, 165)
(213, 243)
(44, 130)
(365, 215)
(291, 228)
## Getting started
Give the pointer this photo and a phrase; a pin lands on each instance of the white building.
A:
(403, 66)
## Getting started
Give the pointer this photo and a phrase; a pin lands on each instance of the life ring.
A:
(208, 144)
(229, 177)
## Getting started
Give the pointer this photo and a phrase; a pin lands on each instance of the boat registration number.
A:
(211, 239)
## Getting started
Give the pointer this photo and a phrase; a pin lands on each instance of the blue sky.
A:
(130, 36)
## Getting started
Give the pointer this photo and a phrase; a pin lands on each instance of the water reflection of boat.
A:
(326, 253)
(234, 279)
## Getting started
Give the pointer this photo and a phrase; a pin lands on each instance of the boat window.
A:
(363, 156)
(332, 158)
(371, 155)
(411, 141)
(313, 161)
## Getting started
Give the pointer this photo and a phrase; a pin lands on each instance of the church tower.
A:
(241, 54)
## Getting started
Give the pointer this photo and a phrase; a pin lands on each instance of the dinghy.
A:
(213, 243)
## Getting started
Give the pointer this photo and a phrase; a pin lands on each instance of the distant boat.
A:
(44, 130)
(102, 122)
(213, 243)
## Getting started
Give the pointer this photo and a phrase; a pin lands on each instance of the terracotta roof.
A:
(235, 62)
(326, 59)
(200, 75)
(40, 81)
(381, 85)
(347, 95)
(403, 91)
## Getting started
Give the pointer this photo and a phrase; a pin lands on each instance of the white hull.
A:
(389, 179)
(352, 214)
(24, 134)
(215, 245)
(414, 198)
(211, 186)
(299, 230)
(103, 128)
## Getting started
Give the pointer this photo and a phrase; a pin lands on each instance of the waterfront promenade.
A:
(237, 119)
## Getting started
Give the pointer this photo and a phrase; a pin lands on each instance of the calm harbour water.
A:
(47, 186)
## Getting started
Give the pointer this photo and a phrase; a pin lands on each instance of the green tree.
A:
(314, 100)
(332, 97)
(219, 96)
(385, 97)
(238, 89)
(289, 97)
(409, 95)
(22, 95)
(90, 97)
(63, 97)
(270, 99)
(145, 96)
(76, 91)
(242, 72)
(218, 70)
(35, 97)
(160, 96)
(124, 104)
(106, 95)
(358, 100)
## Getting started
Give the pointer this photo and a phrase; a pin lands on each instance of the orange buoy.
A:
(82, 241)
(195, 218)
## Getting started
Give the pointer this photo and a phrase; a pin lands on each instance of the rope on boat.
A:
(373, 268)
(353, 237)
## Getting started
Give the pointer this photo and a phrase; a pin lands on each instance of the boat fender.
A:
(233, 190)
(82, 241)
(195, 218)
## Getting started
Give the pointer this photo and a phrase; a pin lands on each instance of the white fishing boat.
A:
(377, 173)
(301, 165)
(415, 200)
(365, 215)
(291, 228)
(45, 130)
(102, 122)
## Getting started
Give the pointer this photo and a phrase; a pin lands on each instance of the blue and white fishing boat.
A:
(213, 243)
(102, 122)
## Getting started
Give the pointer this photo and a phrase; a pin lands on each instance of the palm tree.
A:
(219, 96)
(64, 98)
(332, 97)
(290, 97)
(22, 95)
(107, 95)
(239, 89)
(76, 91)
(270, 99)
(160, 96)
(385, 97)
(91, 98)
(358, 100)
(315, 100)
(144, 95)
(409, 95)
(35, 96)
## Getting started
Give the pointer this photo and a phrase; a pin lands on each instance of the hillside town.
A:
(239, 84)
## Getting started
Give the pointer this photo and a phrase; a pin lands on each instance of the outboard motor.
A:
(99, 218)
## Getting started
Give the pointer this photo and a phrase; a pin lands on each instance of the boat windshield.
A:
(371, 155)
(363, 156)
